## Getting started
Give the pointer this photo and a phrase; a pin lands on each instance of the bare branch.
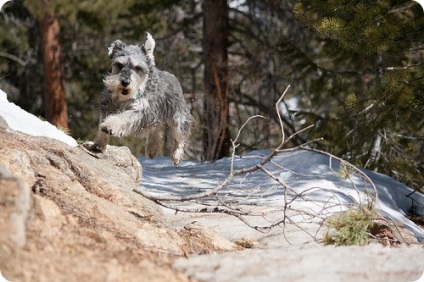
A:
(277, 107)
(13, 58)
(211, 201)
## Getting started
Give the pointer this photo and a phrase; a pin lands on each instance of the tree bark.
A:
(216, 137)
(56, 110)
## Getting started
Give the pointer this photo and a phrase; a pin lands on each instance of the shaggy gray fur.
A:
(138, 98)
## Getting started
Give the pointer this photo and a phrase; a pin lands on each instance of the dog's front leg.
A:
(101, 142)
(119, 125)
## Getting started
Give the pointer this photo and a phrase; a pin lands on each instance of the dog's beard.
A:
(121, 93)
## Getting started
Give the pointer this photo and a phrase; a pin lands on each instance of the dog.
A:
(139, 98)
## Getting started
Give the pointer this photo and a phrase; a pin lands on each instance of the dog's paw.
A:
(151, 154)
(177, 156)
(113, 126)
(94, 147)
(176, 161)
(97, 148)
(105, 129)
(152, 150)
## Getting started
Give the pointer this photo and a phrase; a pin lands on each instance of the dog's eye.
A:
(138, 69)
(119, 66)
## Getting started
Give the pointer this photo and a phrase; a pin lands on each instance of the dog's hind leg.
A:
(153, 143)
(178, 144)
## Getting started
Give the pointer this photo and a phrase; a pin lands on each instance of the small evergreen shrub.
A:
(350, 227)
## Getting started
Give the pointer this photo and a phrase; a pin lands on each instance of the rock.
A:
(3, 122)
(68, 215)
(306, 263)
(49, 214)
(18, 161)
(120, 157)
(203, 240)
(16, 204)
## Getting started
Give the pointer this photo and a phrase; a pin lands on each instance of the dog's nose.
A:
(125, 82)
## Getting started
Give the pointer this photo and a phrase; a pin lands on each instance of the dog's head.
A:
(131, 65)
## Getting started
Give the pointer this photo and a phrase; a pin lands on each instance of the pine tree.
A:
(56, 110)
(371, 68)
(216, 82)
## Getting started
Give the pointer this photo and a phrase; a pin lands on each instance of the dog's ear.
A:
(148, 48)
(116, 46)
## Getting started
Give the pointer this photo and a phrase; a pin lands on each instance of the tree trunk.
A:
(56, 110)
(216, 135)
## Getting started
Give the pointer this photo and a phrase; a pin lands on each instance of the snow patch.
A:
(22, 121)
(324, 189)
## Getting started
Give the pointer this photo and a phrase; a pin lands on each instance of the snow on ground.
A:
(314, 176)
(25, 122)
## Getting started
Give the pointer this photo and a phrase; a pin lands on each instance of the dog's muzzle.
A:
(125, 82)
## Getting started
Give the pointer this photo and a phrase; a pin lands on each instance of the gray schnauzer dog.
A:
(138, 99)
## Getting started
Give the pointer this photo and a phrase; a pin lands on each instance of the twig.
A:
(13, 58)
(212, 202)
(354, 167)
(277, 107)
